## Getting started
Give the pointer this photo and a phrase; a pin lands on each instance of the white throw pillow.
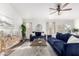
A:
(33, 34)
(73, 39)
(42, 34)
(54, 35)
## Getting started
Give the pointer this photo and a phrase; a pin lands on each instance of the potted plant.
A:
(23, 30)
(75, 30)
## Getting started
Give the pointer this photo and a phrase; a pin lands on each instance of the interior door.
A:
(28, 29)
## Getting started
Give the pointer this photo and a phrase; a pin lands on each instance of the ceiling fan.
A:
(60, 8)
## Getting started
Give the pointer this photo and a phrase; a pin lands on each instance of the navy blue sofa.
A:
(62, 48)
(37, 35)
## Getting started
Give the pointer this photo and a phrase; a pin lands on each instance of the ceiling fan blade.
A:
(65, 5)
(52, 8)
(67, 9)
(53, 12)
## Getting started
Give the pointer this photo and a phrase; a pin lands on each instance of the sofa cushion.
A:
(59, 46)
(63, 37)
(38, 33)
(49, 36)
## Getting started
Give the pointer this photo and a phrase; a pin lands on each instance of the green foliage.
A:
(75, 30)
(23, 27)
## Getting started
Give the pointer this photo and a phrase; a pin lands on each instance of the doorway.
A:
(28, 29)
(50, 28)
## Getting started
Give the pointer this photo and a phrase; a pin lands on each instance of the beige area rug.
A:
(27, 50)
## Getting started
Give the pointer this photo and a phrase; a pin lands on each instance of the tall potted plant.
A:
(23, 30)
(75, 30)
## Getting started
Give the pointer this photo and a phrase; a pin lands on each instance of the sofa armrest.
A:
(71, 49)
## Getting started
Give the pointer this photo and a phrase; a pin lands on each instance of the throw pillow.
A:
(73, 39)
(38, 33)
(33, 34)
(63, 37)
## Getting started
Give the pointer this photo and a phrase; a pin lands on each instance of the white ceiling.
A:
(41, 11)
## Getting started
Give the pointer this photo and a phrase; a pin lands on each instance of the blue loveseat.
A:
(60, 45)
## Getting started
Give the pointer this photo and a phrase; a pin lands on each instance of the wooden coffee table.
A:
(39, 42)
(38, 45)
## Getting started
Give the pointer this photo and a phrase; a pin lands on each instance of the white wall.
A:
(76, 23)
(7, 10)
(12, 15)
(37, 21)
(38, 13)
